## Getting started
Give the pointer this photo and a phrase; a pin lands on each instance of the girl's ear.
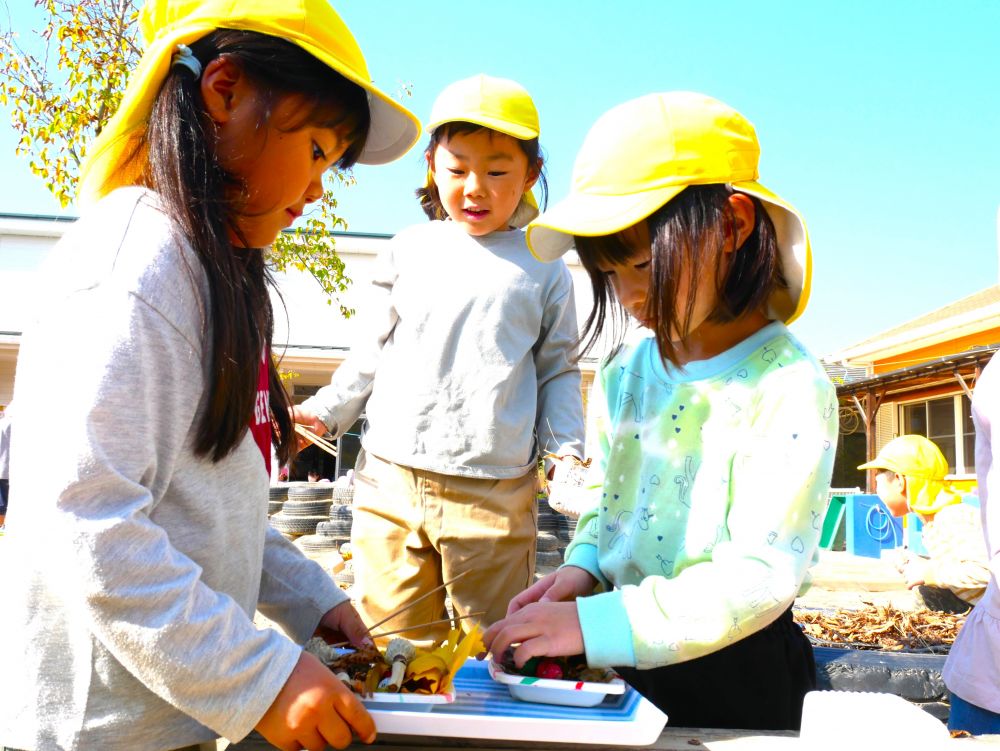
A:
(744, 217)
(534, 170)
(223, 85)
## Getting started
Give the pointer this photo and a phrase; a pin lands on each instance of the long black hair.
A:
(428, 196)
(686, 235)
(205, 202)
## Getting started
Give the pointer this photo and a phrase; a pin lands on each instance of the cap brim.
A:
(393, 130)
(501, 126)
(795, 251)
(551, 234)
(871, 465)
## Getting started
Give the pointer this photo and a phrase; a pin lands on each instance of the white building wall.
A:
(311, 334)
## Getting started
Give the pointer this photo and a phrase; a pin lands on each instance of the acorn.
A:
(549, 669)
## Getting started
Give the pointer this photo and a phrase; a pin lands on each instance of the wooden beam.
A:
(961, 381)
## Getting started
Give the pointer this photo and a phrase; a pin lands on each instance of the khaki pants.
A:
(414, 530)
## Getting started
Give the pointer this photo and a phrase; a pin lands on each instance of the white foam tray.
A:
(485, 709)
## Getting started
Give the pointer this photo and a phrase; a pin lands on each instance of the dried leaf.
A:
(882, 627)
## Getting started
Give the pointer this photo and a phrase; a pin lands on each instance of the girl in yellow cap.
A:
(467, 369)
(910, 476)
(713, 431)
(142, 547)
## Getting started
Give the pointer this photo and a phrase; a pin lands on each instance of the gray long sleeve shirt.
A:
(132, 566)
(465, 359)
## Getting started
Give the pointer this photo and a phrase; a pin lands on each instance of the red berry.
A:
(549, 669)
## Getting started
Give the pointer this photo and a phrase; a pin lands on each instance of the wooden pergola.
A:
(867, 394)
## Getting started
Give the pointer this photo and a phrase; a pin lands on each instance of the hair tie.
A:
(184, 56)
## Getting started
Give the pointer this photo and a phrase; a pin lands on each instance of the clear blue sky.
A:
(879, 120)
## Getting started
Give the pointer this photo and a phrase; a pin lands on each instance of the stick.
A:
(430, 623)
(414, 628)
(316, 440)
(422, 597)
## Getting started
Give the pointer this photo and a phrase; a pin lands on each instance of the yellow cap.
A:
(640, 155)
(313, 25)
(923, 465)
(495, 103)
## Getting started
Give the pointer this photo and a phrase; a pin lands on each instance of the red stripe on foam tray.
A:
(578, 686)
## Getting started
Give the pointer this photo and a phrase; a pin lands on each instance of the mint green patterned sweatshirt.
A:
(710, 490)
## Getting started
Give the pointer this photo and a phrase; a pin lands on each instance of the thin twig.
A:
(316, 440)
(414, 628)
(419, 599)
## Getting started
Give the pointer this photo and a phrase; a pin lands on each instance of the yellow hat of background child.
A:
(641, 154)
(923, 465)
(313, 25)
(495, 103)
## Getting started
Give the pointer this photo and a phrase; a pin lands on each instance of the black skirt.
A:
(757, 683)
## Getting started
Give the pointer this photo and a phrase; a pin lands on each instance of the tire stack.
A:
(277, 495)
(554, 533)
(343, 494)
(307, 505)
(333, 535)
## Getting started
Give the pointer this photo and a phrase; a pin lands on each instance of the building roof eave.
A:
(969, 362)
(932, 334)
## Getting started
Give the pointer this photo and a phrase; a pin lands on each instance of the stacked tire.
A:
(554, 533)
(307, 505)
(332, 534)
(277, 495)
(343, 495)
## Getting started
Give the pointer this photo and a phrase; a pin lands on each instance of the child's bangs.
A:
(606, 250)
(450, 130)
(445, 131)
(347, 118)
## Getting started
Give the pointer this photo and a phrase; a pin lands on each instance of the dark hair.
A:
(686, 235)
(427, 195)
(198, 195)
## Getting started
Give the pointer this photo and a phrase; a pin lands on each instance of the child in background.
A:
(973, 664)
(144, 550)
(467, 366)
(714, 435)
(911, 477)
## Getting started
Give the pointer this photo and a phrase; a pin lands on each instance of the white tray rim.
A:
(613, 687)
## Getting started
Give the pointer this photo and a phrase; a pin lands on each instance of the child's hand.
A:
(342, 623)
(543, 629)
(915, 572)
(314, 709)
(304, 417)
(567, 583)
